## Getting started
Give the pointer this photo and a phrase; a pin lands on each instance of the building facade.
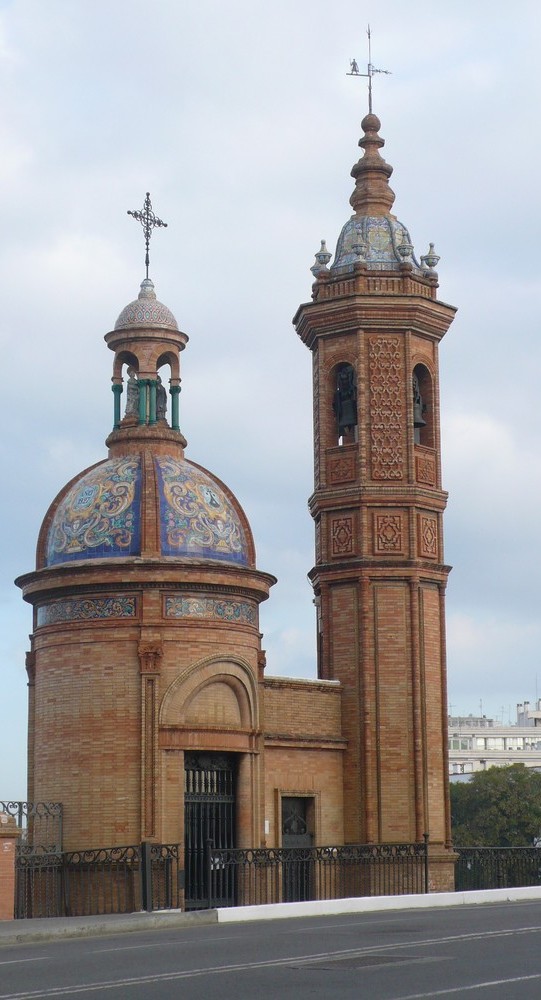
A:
(151, 717)
(477, 743)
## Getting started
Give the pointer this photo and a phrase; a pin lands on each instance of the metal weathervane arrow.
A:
(370, 71)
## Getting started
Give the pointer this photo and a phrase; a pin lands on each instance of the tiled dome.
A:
(197, 519)
(146, 311)
(381, 238)
(101, 514)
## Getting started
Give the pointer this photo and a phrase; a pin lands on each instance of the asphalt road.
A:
(491, 951)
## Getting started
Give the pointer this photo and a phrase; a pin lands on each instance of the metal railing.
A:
(275, 875)
(40, 822)
(497, 867)
(106, 880)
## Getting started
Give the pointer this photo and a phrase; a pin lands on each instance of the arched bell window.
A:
(423, 409)
(345, 403)
(168, 374)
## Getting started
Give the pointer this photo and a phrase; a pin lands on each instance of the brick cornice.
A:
(397, 314)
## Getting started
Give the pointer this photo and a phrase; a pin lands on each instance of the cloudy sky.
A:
(240, 120)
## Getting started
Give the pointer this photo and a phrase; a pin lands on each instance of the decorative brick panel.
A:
(342, 536)
(386, 417)
(427, 536)
(389, 534)
(425, 468)
(341, 466)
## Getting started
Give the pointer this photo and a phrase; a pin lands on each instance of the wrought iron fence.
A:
(41, 822)
(274, 875)
(107, 880)
(497, 867)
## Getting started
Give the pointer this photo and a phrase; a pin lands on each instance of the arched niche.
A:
(344, 402)
(212, 693)
(168, 384)
(423, 406)
(124, 359)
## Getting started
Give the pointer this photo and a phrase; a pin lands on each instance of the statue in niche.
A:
(345, 401)
(419, 408)
(132, 394)
(161, 400)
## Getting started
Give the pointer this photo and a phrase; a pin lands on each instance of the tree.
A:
(499, 807)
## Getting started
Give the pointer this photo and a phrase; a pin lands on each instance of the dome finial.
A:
(149, 221)
(372, 194)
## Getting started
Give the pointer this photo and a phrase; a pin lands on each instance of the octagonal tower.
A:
(374, 327)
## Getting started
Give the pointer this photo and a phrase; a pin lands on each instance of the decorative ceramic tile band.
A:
(207, 607)
(86, 610)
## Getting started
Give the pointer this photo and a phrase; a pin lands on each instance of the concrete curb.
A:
(370, 904)
(58, 928)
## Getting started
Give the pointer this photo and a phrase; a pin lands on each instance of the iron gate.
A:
(209, 822)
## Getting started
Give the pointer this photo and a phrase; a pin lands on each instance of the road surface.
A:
(490, 951)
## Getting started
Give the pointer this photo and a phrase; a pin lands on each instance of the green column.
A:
(117, 390)
(143, 382)
(152, 407)
(175, 394)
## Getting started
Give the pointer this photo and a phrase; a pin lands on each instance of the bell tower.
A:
(374, 326)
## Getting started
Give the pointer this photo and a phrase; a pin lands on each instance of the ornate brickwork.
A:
(389, 534)
(207, 607)
(385, 408)
(86, 610)
(342, 535)
(341, 467)
(428, 536)
(317, 429)
(150, 655)
(425, 469)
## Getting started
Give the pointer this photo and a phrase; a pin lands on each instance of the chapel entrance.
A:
(298, 865)
(209, 822)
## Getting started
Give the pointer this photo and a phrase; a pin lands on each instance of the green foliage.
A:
(499, 807)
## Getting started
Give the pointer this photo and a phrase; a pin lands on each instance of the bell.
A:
(418, 415)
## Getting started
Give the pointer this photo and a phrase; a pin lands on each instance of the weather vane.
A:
(370, 71)
(149, 221)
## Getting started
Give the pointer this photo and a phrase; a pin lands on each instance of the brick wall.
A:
(9, 834)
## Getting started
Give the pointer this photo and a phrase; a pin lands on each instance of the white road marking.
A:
(18, 961)
(62, 991)
(466, 989)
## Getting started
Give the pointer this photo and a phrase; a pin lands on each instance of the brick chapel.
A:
(151, 716)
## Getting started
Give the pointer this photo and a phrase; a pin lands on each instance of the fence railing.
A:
(149, 876)
(107, 880)
(40, 822)
(278, 875)
(497, 867)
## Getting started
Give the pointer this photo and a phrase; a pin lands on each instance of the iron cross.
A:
(149, 221)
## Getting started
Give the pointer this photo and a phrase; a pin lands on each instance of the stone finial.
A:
(322, 259)
(372, 195)
(430, 259)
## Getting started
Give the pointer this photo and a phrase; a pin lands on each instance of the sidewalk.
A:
(56, 928)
